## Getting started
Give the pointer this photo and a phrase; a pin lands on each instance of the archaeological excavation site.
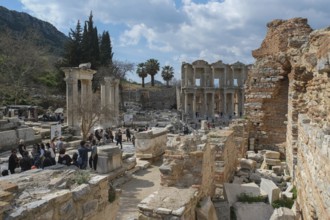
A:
(245, 142)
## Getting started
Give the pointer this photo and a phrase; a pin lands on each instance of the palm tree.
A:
(152, 67)
(167, 74)
(141, 71)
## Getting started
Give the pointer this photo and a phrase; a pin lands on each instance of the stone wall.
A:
(193, 167)
(312, 171)
(268, 84)
(52, 194)
(292, 69)
(153, 98)
(12, 130)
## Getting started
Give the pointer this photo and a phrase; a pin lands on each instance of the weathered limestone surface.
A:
(151, 143)
(291, 78)
(271, 189)
(232, 190)
(255, 211)
(51, 194)
(109, 159)
(170, 202)
(312, 170)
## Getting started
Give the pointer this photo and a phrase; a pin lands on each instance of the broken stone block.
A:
(255, 178)
(255, 211)
(253, 156)
(248, 164)
(207, 210)
(231, 191)
(272, 154)
(271, 189)
(109, 160)
(238, 180)
(277, 170)
(282, 214)
(272, 162)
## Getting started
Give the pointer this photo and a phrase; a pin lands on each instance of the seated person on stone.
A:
(75, 159)
(26, 162)
(13, 161)
(48, 160)
(64, 158)
(5, 173)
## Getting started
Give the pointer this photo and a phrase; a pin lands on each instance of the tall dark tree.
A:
(167, 74)
(73, 47)
(90, 43)
(106, 53)
(152, 68)
(141, 71)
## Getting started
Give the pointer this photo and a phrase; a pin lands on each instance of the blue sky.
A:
(176, 31)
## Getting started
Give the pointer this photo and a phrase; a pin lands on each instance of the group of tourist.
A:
(44, 155)
(41, 156)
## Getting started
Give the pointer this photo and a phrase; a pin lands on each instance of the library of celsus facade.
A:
(212, 90)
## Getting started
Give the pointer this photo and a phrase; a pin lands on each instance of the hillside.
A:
(41, 33)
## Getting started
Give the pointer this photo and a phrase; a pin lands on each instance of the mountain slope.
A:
(41, 33)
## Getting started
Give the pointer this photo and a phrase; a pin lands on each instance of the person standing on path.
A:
(128, 134)
(93, 158)
(119, 138)
(83, 155)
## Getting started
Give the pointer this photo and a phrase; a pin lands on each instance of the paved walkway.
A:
(143, 183)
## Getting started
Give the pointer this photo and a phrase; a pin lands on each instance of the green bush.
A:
(81, 176)
(244, 197)
(111, 194)
(288, 203)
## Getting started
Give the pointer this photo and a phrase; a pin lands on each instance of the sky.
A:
(176, 31)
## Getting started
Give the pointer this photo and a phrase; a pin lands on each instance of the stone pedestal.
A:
(150, 144)
(109, 159)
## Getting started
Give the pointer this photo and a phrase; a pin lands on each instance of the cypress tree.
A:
(73, 46)
(106, 53)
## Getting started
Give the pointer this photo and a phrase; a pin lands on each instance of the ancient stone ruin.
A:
(279, 150)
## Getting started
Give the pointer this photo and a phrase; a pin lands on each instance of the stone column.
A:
(86, 101)
(185, 76)
(212, 105)
(240, 103)
(71, 78)
(186, 103)
(117, 100)
(232, 104)
(224, 102)
(205, 105)
(106, 102)
(194, 106)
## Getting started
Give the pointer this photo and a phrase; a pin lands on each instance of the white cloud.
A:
(181, 30)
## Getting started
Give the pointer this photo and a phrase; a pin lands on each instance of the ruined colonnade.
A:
(76, 100)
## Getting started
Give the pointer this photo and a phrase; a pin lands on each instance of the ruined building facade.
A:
(288, 107)
(213, 89)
